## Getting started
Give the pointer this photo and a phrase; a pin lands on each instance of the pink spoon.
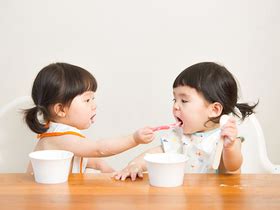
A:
(166, 127)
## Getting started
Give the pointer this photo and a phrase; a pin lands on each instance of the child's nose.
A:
(93, 106)
(176, 106)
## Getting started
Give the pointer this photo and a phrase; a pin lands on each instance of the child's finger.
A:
(124, 176)
(228, 137)
(117, 176)
(151, 136)
(148, 131)
(133, 176)
(140, 174)
(231, 122)
(230, 133)
(232, 129)
(229, 126)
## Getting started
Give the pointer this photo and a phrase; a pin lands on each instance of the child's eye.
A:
(174, 100)
(184, 101)
(89, 99)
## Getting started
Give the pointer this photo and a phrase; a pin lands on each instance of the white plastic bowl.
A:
(166, 169)
(51, 166)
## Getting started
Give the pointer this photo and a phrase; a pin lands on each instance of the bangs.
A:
(88, 83)
(75, 82)
(188, 78)
(213, 81)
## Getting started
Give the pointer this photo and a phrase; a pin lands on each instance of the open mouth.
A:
(92, 118)
(180, 122)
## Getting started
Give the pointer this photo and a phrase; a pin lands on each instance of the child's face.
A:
(82, 111)
(191, 108)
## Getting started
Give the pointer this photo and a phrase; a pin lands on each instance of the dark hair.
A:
(56, 83)
(216, 84)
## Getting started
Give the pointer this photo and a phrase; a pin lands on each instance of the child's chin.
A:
(186, 131)
(85, 126)
(88, 125)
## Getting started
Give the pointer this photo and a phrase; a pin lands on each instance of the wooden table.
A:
(93, 191)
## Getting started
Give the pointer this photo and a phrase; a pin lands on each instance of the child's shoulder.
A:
(59, 129)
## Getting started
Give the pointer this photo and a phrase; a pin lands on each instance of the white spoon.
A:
(218, 154)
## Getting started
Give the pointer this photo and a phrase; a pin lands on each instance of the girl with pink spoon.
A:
(64, 105)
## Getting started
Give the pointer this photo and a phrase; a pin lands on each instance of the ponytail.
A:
(31, 119)
(245, 109)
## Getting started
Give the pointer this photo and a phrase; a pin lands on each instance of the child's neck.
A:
(210, 127)
(62, 122)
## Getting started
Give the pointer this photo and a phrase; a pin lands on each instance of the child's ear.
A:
(59, 110)
(215, 109)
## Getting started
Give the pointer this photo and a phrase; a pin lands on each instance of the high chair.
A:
(254, 152)
(16, 139)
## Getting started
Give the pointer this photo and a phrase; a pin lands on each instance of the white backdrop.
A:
(135, 49)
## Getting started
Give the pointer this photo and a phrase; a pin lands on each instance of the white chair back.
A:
(254, 152)
(16, 139)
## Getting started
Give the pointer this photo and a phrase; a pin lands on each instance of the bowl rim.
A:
(69, 154)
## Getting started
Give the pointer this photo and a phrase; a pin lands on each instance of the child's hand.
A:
(229, 132)
(132, 170)
(144, 135)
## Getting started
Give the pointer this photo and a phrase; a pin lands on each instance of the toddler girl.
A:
(63, 95)
(202, 94)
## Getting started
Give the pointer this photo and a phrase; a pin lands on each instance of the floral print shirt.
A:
(199, 148)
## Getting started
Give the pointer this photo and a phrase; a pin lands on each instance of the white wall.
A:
(135, 49)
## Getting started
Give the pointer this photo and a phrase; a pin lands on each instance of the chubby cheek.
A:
(173, 109)
(174, 113)
(189, 124)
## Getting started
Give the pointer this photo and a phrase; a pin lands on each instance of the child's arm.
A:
(99, 164)
(99, 148)
(136, 167)
(231, 158)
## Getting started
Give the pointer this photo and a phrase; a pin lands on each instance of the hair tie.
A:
(40, 107)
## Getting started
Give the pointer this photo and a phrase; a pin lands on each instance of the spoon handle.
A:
(218, 155)
(166, 127)
(219, 150)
